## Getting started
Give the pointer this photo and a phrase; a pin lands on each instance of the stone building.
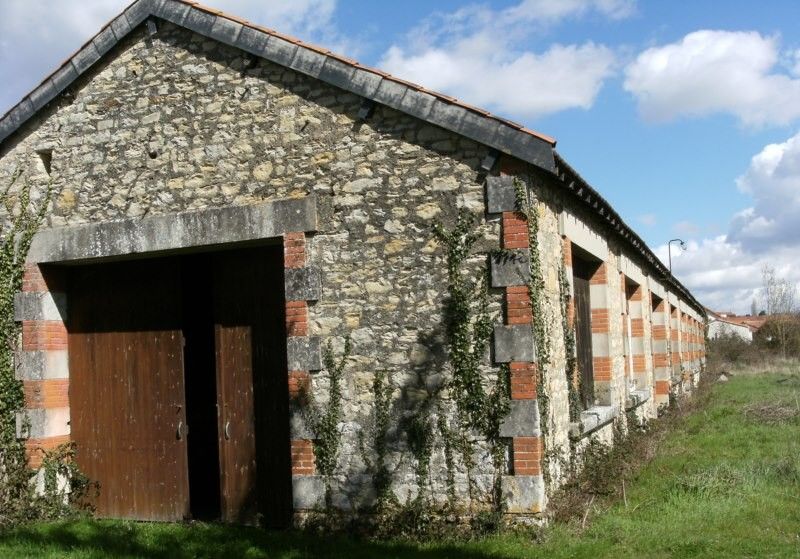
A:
(224, 202)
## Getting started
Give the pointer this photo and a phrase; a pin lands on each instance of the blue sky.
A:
(685, 115)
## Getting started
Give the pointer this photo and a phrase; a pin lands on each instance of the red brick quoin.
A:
(294, 256)
(518, 305)
(296, 318)
(294, 250)
(527, 454)
(302, 457)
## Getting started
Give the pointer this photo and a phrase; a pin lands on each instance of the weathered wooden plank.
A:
(126, 387)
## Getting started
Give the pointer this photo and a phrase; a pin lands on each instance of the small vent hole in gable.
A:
(46, 156)
(250, 64)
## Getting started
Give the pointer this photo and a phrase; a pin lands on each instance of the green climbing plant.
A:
(420, 439)
(324, 419)
(468, 328)
(447, 436)
(571, 363)
(63, 489)
(527, 205)
(15, 239)
(376, 458)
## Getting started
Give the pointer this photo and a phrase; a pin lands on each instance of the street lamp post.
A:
(669, 250)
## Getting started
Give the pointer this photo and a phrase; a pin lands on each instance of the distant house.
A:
(720, 323)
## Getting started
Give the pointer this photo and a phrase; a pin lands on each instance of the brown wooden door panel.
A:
(126, 387)
(234, 320)
(237, 423)
(252, 386)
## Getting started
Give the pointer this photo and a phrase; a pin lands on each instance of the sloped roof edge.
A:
(717, 318)
(444, 111)
(596, 203)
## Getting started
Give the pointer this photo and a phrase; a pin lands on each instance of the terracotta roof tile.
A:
(239, 20)
(412, 85)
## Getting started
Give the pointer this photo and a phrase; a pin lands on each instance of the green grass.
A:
(725, 483)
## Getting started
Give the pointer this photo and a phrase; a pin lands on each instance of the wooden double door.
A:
(178, 386)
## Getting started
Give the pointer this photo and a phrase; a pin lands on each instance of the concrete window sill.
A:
(591, 420)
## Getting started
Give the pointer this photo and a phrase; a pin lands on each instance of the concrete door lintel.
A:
(172, 232)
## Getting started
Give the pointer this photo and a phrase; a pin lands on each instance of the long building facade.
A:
(240, 303)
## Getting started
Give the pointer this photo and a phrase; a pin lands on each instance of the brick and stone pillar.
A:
(695, 344)
(661, 370)
(699, 340)
(675, 345)
(302, 287)
(636, 318)
(602, 362)
(566, 250)
(514, 345)
(684, 331)
(627, 366)
(42, 363)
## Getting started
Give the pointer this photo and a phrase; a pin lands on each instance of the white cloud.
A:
(555, 10)
(724, 272)
(36, 36)
(773, 180)
(709, 72)
(527, 85)
(792, 62)
(722, 275)
(478, 54)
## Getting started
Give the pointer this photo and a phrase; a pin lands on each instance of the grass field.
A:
(725, 483)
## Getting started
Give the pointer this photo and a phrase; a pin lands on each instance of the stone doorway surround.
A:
(42, 361)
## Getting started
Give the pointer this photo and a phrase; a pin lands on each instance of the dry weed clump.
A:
(604, 471)
(772, 413)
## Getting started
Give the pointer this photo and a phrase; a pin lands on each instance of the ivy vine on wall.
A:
(16, 237)
(571, 362)
(526, 204)
(63, 488)
(376, 458)
(468, 328)
(324, 419)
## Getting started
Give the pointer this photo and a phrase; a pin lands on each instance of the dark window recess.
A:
(655, 301)
(583, 268)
